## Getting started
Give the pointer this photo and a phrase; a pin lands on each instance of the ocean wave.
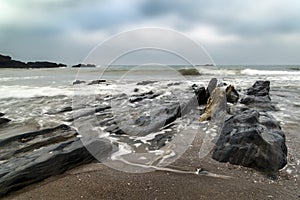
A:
(20, 78)
(268, 72)
(17, 91)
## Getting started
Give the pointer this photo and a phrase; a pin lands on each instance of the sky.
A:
(231, 31)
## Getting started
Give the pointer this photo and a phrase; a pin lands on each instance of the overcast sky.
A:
(232, 31)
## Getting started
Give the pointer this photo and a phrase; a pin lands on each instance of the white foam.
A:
(268, 72)
(18, 91)
(20, 78)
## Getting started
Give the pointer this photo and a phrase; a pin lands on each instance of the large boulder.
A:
(260, 88)
(252, 139)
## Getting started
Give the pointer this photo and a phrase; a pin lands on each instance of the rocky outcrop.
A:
(34, 156)
(44, 65)
(8, 62)
(95, 82)
(250, 136)
(78, 82)
(258, 97)
(83, 65)
(252, 140)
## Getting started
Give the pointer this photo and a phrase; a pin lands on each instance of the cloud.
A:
(219, 24)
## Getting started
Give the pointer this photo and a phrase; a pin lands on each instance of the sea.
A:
(27, 96)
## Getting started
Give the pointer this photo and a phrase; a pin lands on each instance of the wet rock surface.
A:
(34, 156)
(147, 119)
(251, 137)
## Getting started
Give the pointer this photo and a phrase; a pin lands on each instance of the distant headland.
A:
(8, 62)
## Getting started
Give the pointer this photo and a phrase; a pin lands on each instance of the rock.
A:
(32, 157)
(215, 106)
(78, 82)
(140, 97)
(135, 90)
(211, 86)
(44, 64)
(189, 72)
(1, 114)
(232, 95)
(201, 95)
(260, 88)
(146, 82)
(95, 82)
(252, 140)
(12, 64)
(83, 65)
(4, 121)
(258, 96)
(65, 109)
(7, 62)
(262, 103)
(4, 58)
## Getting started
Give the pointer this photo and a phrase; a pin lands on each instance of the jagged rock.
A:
(232, 95)
(1, 114)
(201, 95)
(78, 82)
(260, 88)
(258, 97)
(4, 121)
(215, 105)
(95, 82)
(252, 140)
(32, 157)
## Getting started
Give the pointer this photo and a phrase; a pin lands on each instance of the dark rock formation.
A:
(140, 97)
(44, 65)
(250, 136)
(252, 140)
(4, 121)
(7, 62)
(146, 82)
(32, 157)
(78, 82)
(95, 82)
(189, 72)
(260, 88)
(232, 95)
(203, 94)
(258, 96)
(83, 65)
(1, 114)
